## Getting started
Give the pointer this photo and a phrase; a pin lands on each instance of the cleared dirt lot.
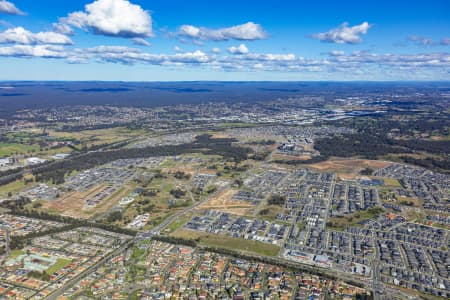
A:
(220, 135)
(73, 203)
(224, 202)
(290, 157)
(348, 168)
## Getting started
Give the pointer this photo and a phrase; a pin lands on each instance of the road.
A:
(88, 271)
(156, 230)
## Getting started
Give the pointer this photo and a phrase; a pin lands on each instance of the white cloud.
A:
(337, 53)
(215, 50)
(248, 31)
(76, 60)
(190, 31)
(241, 49)
(396, 61)
(9, 8)
(20, 35)
(127, 55)
(344, 34)
(62, 28)
(141, 42)
(271, 57)
(113, 18)
(112, 49)
(357, 63)
(177, 49)
(197, 56)
(27, 51)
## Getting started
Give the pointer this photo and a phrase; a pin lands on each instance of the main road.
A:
(153, 231)
(60, 291)
(156, 230)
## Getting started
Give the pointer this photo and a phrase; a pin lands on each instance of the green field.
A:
(340, 223)
(15, 253)
(169, 162)
(137, 253)
(7, 149)
(220, 241)
(98, 136)
(60, 263)
(178, 223)
(14, 187)
(391, 182)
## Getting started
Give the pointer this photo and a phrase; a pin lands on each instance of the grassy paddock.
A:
(220, 241)
(9, 149)
(14, 187)
(391, 182)
(175, 225)
(354, 219)
(60, 263)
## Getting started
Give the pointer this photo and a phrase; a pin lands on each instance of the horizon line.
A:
(233, 81)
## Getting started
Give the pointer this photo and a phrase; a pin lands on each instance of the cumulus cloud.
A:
(118, 18)
(130, 56)
(112, 49)
(28, 51)
(9, 8)
(197, 56)
(215, 50)
(62, 28)
(337, 53)
(402, 61)
(344, 34)
(141, 42)
(272, 57)
(20, 35)
(354, 63)
(241, 49)
(270, 62)
(248, 31)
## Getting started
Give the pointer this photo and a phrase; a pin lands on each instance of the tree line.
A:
(73, 221)
(56, 171)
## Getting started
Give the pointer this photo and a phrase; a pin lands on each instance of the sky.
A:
(181, 40)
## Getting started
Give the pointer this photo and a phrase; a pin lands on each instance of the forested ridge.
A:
(416, 138)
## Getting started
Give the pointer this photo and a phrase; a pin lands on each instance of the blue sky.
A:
(165, 40)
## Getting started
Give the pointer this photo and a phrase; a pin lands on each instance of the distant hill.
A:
(29, 94)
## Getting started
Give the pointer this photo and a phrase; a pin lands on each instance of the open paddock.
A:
(348, 168)
(220, 241)
(224, 201)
